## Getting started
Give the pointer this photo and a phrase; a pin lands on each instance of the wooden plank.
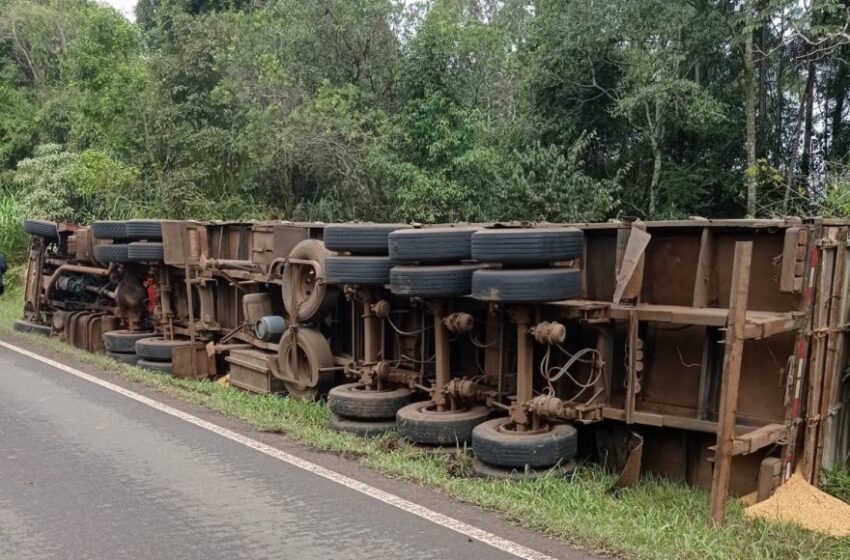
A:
(759, 438)
(834, 368)
(814, 384)
(631, 380)
(794, 383)
(789, 260)
(630, 274)
(706, 372)
(730, 382)
(702, 281)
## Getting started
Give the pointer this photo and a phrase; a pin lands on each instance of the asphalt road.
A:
(88, 473)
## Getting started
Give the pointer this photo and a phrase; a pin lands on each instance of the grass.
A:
(656, 520)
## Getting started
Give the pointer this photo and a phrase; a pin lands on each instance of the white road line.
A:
(437, 518)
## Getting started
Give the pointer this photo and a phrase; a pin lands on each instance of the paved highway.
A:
(87, 473)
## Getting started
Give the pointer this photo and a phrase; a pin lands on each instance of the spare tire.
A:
(145, 252)
(527, 245)
(306, 377)
(143, 230)
(495, 442)
(42, 228)
(306, 296)
(518, 286)
(158, 348)
(109, 229)
(115, 253)
(432, 281)
(365, 271)
(361, 239)
(123, 341)
(432, 245)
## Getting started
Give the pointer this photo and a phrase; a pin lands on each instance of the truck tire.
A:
(527, 245)
(360, 239)
(537, 285)
(139, 230)
(360, 427)
(483, 470)
(123, 341)
(161, 367)
(353, 401)
(159, 349)
(42, 228)
(110, 229)
(306, 297)
(432, 245)
(495, 443)
(420, 423)
(364, 271)
(124, 358)
(433, 281)
(145, 252)
(115, 253)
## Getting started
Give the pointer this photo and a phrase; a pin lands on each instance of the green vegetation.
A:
(437, 110)
(656, 520)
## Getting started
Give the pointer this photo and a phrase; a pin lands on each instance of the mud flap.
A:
(620, 450)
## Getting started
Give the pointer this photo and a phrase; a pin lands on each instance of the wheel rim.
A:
(510, 428)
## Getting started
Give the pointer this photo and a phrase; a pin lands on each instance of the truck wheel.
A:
(22, 326)
(109, 229)
(432, 281)
(123, 341)
(306, 296)
(158, 348)
(484, 470)
(496, 442)
(360, 239)
(115, 253)
(41, 228)
(432, 245)
(527, 245)
(124, 357)
(302, 355)
(138, 230)
(354, 401)
(364, 271)
(162, 367)
(145, 252)
(538, 285)
(362, 428)
(421, 423)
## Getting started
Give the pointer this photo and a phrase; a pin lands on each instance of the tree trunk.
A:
(762, 126)
(780, 94)
(749, 92)
(840, 88)
(656, 177)
(806, 160)
(795, 146)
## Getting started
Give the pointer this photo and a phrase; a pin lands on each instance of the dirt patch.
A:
(802, 504)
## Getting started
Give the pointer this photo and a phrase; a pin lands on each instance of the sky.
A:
(124, 6)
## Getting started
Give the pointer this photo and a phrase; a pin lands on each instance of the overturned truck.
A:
(707, 351)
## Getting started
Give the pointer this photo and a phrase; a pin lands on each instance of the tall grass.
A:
(13, 240)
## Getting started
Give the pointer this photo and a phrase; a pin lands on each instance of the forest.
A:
(431, 111)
